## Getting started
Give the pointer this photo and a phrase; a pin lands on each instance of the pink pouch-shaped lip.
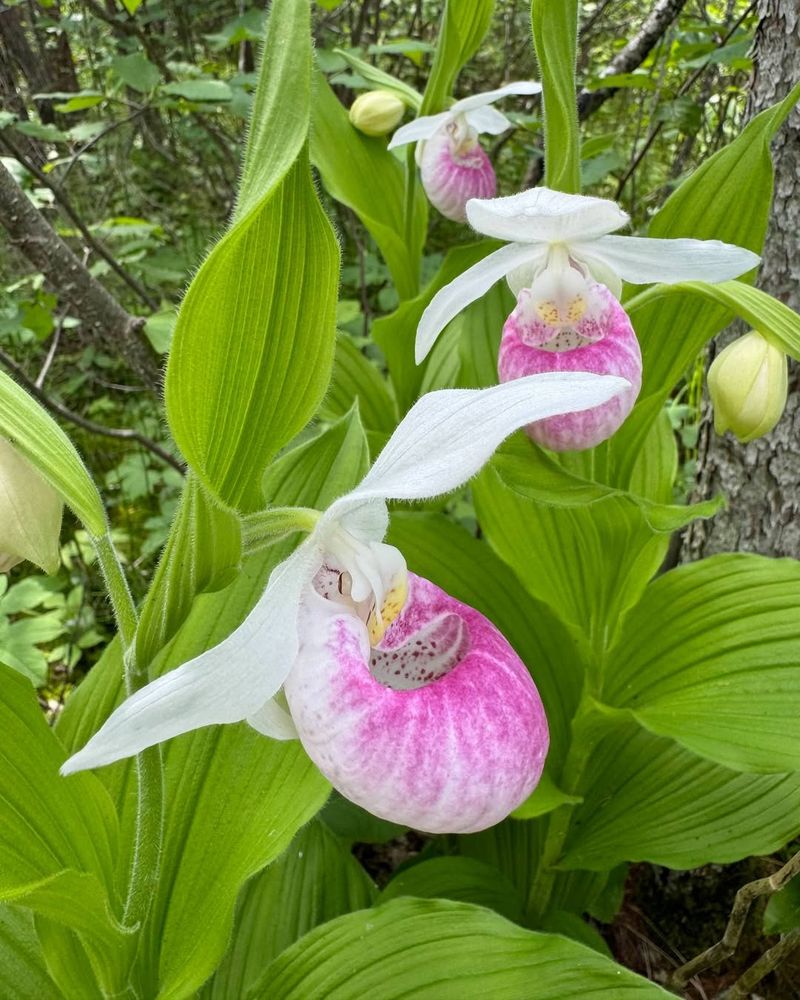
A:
(617, 352)
(452, 174)
(455, 748)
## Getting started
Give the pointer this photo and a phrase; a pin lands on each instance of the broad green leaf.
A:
(530, 472)
(395, 334)
(711, 658)
(23, 974)
(776, 321)
(35, 434)
(477, 332)
(356, 378)
(199, 90)
(202, 554)
(555, 38)
(783, 909)
(67, 961)
(467, 569)
(381, 80)
(315, 880)
(546, 797)
(57, 836)
(136, 71)
(253, 343)
(437, 950)
(358, 171)
(711, 204)
(80, 102)
(588, 563)
(355, 825)
(648, 799)
(462, 879)
(464, 23)
(132, 5)
(234, 799)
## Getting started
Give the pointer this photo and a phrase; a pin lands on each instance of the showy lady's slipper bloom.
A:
(748, 383)
(409, 702)
(30, 514)
(566, 270)
(453, 166)
(377, 112)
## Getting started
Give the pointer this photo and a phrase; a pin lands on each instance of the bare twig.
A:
(742, 902)
(768, 962)
(69, 210)
(109, 324)
(123, 433)
(51, 353)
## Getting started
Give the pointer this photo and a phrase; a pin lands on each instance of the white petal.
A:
(420, 128)
(488, 120)
(490, 96)
(448, 435)
(472, 284)
(224, 684)
(642, 260)
(544, 215)
(272, 720)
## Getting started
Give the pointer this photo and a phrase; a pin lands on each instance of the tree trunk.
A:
(761, 480)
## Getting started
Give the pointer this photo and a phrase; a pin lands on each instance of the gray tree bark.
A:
(762, 479)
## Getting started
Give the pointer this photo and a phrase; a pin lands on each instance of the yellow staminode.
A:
(394, 600)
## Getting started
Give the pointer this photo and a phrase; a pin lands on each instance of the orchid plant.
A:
(375, 584)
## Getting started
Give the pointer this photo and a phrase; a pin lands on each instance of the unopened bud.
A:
(748, 382)
(30, 514)
(377, 112)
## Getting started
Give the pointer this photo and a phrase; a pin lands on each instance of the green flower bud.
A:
(748, 382)
(30, 514)
(377, 112)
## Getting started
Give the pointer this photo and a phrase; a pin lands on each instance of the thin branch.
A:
(633, 55)
(729, 942)
(51, 353)
(123, 433)
(96, 138)
(109, 324)
(68, 209)
(762, 967)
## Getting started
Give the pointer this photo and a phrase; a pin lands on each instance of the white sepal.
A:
(273, 720)
(490, 96)
(488, 120)
(642, 260)
(420, 128)
(228, 683)
(540, 214)
(448, 435)
(448, 302)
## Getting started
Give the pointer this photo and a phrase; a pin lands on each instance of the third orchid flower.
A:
(566, 266)
(411, 703)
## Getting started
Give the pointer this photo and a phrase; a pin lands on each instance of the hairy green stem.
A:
(267, 526)
(149, 770)
(408, 205)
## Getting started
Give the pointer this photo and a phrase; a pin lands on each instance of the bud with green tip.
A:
(748, 382)
(377, 112)
(30, 514)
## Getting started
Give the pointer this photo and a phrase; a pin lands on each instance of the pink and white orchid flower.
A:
(566, 270)
(453, 166)
(409, 702)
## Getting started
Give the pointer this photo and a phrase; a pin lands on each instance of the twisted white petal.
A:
(448, 302)
(642, 260)
(420, 128)
(488, 120)
(225, 684)
(490, 96)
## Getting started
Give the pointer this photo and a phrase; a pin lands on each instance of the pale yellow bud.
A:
(30, 514)
(377, 112)
(748, 383)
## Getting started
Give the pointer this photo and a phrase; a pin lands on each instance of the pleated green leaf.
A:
(464, 23)
(728, 198)
(439, 950)
(234, 799)
(381, 80)
(35, 434)
(762, 311)
(555, 38)
(461, 879)
(360, 172)
(253, 344)
(711, 657)
(529, 471)
(23, 974)
(315, 880)
(648, 799)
